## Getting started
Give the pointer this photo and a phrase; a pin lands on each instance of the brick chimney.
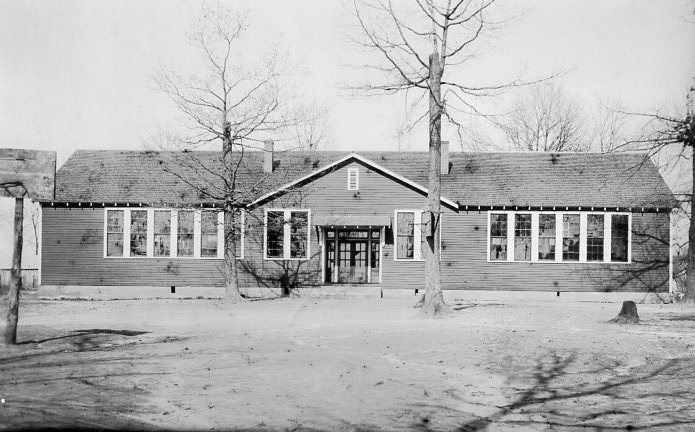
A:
(268, 156)
(445, 157)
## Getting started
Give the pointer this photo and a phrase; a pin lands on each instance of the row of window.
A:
(559, 237)
(513, 236)
(165, 233)
(198, 234)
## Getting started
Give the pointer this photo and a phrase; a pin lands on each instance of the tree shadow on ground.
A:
(563, 394)
(89, 380)
(682, 318)
(461, 306)
(86, 332)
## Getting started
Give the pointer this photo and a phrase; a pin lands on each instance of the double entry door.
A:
(353, 255)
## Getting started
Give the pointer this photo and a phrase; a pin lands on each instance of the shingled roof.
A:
(475, 179)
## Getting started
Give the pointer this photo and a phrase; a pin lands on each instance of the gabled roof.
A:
(353, 157)
(475, 179)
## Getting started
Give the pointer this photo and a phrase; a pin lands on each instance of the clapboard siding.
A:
(465, 266)
(72, 252)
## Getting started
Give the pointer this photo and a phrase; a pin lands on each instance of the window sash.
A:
(138, 233)
(547, 233)
(162, 233)
(522, 237)
(405, 235)
(594, 237)
(185, 246)
(299, 235)
(571, 237)
(498, 237)
(620, 238)
(208, 233)
(287, 234)
(409, 239)
(275, 233)
(115, 233)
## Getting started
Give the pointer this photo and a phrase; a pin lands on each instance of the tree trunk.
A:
(231, 274)
(628, 314)
(434, 300)
(690, 269)
(16, 278)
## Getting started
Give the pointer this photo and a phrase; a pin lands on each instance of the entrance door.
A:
(352, 256)
(352, 261)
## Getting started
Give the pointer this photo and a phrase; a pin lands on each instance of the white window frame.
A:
(173, 233)
(607, 239)
(286, 235)
(356, 173)
(149, 235)
(513, 223)
(487, 231)
(417, 235)
(126, 232)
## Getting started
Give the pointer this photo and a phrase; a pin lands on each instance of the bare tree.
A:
(34, 216)
(413, 47)
(609, 127)
(313, 130)
(544, 118)
(674, 133)
(234, 103)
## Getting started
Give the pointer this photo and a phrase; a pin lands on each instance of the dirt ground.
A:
(348, 364)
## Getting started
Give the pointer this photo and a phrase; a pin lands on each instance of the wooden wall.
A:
(465, 265)
(73, 249)
(72, 252)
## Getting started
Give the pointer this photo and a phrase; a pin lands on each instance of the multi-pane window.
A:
(114, 232)
(538, 236)
(594, 237)
(162, 233)
(570, 237)
(522, 237)
(138, 233)
(208, 233)
(165, 233)
(275, 232)
(619, 238)
(546, 237)
(299, 225)
(185, 231)
(405, 235)
(498, 237)
(287, 234)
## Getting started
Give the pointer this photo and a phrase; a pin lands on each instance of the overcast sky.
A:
(77, 74)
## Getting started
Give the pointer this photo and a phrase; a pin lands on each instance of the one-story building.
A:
(557, 222)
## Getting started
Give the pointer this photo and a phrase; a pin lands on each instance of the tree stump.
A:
(628, 314)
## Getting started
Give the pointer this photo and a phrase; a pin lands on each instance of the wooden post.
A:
(16, 278)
